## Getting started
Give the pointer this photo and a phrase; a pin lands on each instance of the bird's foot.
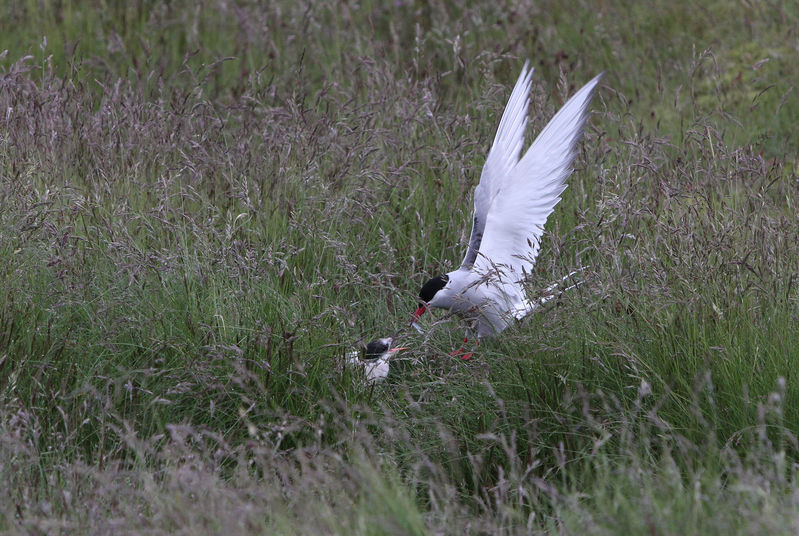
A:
(461, 352)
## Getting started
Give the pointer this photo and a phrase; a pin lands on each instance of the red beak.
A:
(419, 312)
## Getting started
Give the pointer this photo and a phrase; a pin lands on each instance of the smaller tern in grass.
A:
(375, 359)
(512, 202)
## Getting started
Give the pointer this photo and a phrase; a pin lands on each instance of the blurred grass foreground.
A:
(204, 205)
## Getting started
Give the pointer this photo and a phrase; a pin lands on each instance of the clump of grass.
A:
(631, 475)
(203, 207)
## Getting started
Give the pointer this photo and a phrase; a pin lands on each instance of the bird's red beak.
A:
(416, 315)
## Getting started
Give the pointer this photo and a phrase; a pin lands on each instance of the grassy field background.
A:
(204, 205)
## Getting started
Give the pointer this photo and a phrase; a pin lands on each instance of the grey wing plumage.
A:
(478, 226)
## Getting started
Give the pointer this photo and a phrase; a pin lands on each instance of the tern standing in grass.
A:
(512, 202)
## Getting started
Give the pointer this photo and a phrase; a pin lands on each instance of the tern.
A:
(512, 202)
(375, 360)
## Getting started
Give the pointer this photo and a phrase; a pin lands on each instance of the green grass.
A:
(204, 205)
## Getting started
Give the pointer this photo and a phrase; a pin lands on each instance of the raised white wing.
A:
(528, 195)
(502, 158)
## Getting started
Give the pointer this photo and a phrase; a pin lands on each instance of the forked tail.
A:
(552, 292)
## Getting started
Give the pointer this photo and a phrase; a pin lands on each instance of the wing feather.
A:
(501, 159)
(515, 222)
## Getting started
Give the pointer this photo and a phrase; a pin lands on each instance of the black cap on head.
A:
(431, 287)
(377, 348)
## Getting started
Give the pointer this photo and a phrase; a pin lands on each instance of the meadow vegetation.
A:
(204, 205)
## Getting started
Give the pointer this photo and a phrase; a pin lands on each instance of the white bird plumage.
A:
(374, 359)
(512, 202)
